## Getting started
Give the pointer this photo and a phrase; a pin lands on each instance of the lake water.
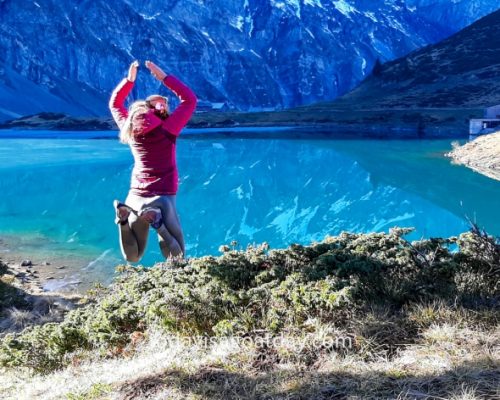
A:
(57, 190)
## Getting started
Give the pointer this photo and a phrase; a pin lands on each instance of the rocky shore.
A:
(24, 300)
(482, 155)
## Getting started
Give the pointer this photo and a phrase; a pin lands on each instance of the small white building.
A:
(490, 122)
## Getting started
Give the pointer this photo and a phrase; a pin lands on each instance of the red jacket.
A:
(155, 168)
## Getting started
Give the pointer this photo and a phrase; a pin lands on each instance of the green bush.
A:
(241, 292)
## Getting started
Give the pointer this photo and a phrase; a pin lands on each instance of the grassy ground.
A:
(355, 316)
(450, 360)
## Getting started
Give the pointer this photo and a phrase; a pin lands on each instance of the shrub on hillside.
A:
(241, 292)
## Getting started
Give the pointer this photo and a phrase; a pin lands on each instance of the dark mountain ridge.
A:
(461, 71)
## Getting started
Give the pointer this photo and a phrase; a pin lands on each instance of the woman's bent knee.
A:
(170, 248)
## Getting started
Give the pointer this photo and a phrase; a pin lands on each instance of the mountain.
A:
(433, 91)
(67, 55)
(462, 71)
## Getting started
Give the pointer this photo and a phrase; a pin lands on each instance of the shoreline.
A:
(23, 300)
(42, 274)
(289, 132)
(45, 273)
(390, 123)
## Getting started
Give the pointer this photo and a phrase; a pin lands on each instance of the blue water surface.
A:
(57, 191)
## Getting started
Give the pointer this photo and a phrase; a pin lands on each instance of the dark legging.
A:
(134, 235)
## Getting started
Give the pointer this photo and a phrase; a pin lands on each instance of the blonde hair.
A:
(126, 132)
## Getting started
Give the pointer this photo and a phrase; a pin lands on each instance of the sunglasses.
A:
(160, 106)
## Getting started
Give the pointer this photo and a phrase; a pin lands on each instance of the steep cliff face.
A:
(252, 54)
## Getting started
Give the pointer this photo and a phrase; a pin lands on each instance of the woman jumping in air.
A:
(151, 131)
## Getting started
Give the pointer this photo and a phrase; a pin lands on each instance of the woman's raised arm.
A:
(180, 117)
(121, 92)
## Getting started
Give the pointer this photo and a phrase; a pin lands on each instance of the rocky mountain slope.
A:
(433, 91)
(66, 56)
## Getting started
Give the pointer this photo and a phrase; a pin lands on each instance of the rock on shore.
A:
(481, 155)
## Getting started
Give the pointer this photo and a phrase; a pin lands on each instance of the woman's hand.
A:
(132, 71)
(156, 71)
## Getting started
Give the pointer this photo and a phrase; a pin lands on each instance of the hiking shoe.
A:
(153, 216)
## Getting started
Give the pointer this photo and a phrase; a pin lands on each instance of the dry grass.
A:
(16, 319)
(450, 360)
(482, 155)
(43, 308)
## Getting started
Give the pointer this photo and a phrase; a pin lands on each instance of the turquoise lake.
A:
(57, 190)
